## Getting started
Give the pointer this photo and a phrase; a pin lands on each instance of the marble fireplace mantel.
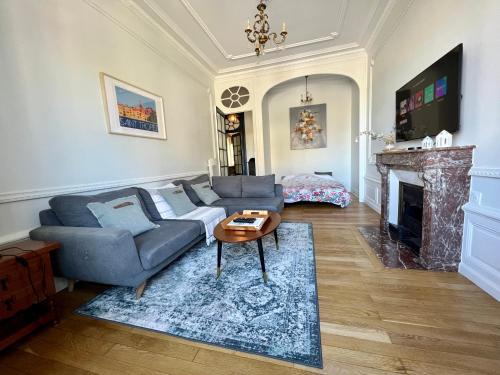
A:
(444, 172)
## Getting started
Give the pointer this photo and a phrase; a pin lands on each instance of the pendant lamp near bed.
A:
(307, 99)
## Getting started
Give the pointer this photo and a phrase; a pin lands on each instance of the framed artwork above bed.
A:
(308, 127)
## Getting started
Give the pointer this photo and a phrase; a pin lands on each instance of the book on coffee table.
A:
(245, 221)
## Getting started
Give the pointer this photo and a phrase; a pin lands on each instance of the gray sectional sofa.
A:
(115, 257)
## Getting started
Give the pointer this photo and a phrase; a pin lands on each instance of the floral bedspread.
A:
(314, 188)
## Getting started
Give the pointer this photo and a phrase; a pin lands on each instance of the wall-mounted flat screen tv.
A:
(430, 102)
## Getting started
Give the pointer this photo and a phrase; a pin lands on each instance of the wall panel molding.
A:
(372, 192)
(23, 195)
(485, 172)
(481, 248)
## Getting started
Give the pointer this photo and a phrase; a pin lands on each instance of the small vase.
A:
(389, 147)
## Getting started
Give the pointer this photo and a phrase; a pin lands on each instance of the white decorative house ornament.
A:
(427, 143)
(444, 139)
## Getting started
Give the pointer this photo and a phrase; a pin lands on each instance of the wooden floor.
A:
(373, 321)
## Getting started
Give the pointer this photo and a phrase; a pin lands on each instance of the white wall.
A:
(249, 142)
(52, 122)
(260, 80)
(337, 93)
(427, 31)
(355, 145)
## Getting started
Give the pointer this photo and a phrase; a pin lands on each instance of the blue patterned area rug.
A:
(237, 311)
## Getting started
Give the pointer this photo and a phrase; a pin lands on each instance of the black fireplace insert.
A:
(409, 228)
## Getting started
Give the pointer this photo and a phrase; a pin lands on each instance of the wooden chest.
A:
(26, 289)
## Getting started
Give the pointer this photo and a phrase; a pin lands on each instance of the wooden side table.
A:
(26, 289)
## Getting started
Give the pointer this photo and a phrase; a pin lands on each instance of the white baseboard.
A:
(476, 275)
(373, 205)
(480, 261)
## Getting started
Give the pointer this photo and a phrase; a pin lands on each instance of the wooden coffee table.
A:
(240, 236)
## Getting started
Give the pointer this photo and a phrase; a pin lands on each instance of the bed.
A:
(314, 188)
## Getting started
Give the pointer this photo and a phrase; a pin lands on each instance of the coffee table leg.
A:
(219, 256)
(261, 256)
(276, 239)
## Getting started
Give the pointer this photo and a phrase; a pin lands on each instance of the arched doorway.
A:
(338, 95)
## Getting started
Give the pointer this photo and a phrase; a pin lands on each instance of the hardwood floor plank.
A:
(86, 361)
(374, 320)
(365, 359)
(469, 363)
(26, 363)
(356, 332)
(160, 345)
(165, 364)
(245, 365)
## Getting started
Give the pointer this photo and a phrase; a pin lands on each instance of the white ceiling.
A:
(212, 30)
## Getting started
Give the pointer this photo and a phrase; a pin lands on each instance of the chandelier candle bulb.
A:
(259, 34)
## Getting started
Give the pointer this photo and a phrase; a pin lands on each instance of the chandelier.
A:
(232, 122)
(308, 98)
(260, 33)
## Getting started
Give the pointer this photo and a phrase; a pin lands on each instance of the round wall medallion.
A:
(235, 96)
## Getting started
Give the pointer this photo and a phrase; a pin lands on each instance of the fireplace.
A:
(431, 217)
(409, 228)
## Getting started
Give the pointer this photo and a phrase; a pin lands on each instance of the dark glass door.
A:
(222, 143)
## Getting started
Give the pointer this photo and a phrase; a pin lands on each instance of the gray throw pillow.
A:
(122, 213)
(205, 192)
(177, 198)
(72, 211)
(258, 186)
(186, 184)
(227, 186)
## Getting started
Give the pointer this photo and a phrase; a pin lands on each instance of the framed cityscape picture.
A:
(131, 110)
(308, 127)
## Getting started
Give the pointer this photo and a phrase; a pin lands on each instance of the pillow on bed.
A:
(324, 173)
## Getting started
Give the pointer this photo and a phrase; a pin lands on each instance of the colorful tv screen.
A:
(430, 102)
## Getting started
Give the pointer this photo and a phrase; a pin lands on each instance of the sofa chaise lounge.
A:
(112, 256)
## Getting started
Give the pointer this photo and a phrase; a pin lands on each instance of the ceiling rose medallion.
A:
(260, 35)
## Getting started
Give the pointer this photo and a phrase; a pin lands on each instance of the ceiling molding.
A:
(175, 34)
(228, 56)
(332, 36)
(155, 50)
(375, 42)
(205, 28)
(337, 51)
(365, 34)
(137, 10)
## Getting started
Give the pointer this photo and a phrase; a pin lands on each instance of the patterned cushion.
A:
(122, 213)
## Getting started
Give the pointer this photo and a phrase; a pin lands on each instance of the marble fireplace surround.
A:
(446, 182)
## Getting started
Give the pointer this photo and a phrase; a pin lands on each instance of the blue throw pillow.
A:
(122, 213)
(205, 192)
(177, 198)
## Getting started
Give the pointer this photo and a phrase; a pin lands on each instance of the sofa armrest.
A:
(102, 255)
(278, 190)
